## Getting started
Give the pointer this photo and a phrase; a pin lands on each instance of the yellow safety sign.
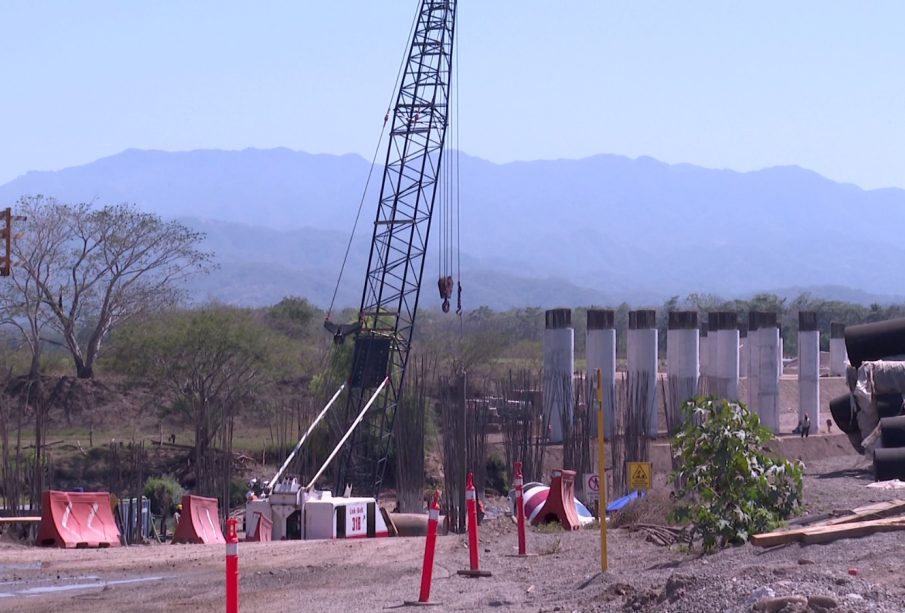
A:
(639, 475)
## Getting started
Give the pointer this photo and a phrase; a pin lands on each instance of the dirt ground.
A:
(367, 575)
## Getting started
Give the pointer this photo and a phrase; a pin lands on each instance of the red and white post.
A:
(520, 509)
(232, 567)
(427, 570)
(472, 509)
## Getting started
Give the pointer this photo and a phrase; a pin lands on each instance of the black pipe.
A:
(875, 341)
(840, 408)
(892, 431)
(889, 463)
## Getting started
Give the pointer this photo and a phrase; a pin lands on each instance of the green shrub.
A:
(729, 486)
(163, 492)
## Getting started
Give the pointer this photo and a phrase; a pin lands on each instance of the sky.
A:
(740, 85)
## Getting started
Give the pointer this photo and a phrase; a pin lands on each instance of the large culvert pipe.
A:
(892, 431)
(889, 463)
(875, 341)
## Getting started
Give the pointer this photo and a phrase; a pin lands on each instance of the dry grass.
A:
(654, 508)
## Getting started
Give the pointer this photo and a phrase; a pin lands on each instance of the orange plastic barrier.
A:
(77, 519)
(199, 522)
(263, 529)
(560, 503)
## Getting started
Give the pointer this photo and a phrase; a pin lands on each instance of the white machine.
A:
(298, 512)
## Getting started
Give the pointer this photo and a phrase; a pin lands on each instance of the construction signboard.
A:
(639, 475)
(591, 487)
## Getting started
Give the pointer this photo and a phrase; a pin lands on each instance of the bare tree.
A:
(85, 269)
(37, 253)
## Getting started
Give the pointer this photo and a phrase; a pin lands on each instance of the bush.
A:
(496, 475)
(163, 492)
(729, 486)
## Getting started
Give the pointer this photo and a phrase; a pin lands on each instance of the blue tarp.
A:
(621, 503)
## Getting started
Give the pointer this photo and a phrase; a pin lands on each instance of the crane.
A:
(408, 191)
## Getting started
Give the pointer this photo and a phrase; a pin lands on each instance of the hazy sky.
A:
(740, 85)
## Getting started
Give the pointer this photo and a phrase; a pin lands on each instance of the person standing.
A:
(806, 426)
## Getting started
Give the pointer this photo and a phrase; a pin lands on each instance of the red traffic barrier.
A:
(232, 567)
(430, 544)
(199, 521)
(263, 531)
(472, 508)
(520, 509)
(560, 502)
(77, 519)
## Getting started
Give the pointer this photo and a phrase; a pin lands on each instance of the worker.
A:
(805, 426)
(177, 515)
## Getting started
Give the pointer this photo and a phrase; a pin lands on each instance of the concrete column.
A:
(753, 358)
(600, 351)
(809, 368)
(838, 356)
(559, 366)
(714, 348)
(682, 364)
(782, 353)
(768, 371)
(743, 348)
(642, 361)
(727, 355)
(706, 375)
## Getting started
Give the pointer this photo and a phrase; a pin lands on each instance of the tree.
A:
(209, 364)
(84, 269)
(729, 486)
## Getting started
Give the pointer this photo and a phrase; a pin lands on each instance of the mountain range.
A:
(598, 230)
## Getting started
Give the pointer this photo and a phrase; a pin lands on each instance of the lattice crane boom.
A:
(402, 226)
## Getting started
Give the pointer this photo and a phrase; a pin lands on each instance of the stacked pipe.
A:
(682, 364)
(642, 363)
(837, 349)
(808, 368)
(559, 364)
(882, 342)
(601, 354)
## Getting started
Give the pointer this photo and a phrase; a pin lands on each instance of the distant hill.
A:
(598, 230)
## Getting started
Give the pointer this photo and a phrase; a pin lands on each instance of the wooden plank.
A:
(822, 534)
(28, 519)
(852, 530)
(877, 510)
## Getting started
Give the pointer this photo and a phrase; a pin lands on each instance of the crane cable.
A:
(448, 248)
(364, 192)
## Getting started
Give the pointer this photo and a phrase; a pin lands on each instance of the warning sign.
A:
(591, 487)
(639, 475)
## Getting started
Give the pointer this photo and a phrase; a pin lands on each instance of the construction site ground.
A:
(861, 574)
(366, 575)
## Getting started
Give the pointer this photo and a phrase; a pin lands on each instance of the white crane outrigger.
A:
(296, 512)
